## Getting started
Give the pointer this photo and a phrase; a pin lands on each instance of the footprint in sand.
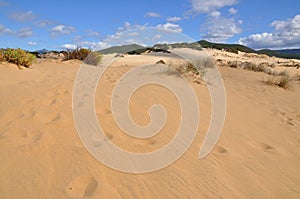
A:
(286, 119)
(152, 142)
(106, 139)
(289, 121)
(107, 112)
(56, 118)
(81, 187)
(267, 147)
(61, 92)
(221, 149)
(65, 92)
(33, 136)
(29, 101)
(27, 115)
(109, 136)
(53, 102)
(24, 137)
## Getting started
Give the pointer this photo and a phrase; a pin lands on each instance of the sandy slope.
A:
(41, 155)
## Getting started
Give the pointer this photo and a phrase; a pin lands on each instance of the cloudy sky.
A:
(98, 24)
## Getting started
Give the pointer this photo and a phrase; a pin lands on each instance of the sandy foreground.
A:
(42, 156)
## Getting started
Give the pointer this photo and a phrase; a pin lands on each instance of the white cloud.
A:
(215, 14)
(25, 32)
(92, 34)
(127, 34)
(86, 44)
(62, 30)
(205, 6)
(286, 34)
(42, 23)
(93, 45)
(232, 11)
(219, 29)
(127, 31)
(173, 19)
(128, 26)
(22, 33)
(6, 31)
(31, 43)
(288, 25)
(143, 34)
(23, 16)
(169, 27)
(69, 46)
(157, 36)
(152, 14)
(263, 40)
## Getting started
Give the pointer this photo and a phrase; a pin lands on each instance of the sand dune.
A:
(42, 156)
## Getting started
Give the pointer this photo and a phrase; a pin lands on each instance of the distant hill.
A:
(227, 47)
(121, 49)
(194, 45)
(144, 50)
(43, 51)
(278, 53)
(290, 51)
(287, 54)
(234, 48)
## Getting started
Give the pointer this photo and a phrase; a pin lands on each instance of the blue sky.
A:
(95, 24)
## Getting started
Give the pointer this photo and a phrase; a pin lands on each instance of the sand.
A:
(41, 155)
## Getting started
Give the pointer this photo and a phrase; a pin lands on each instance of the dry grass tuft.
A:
(86, 55)
(203, 61)
(261, 67)
(297, 77)
(281, 81)
(233, 64)
(171, 72)
(277, 73)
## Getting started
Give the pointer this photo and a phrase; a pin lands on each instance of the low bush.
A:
(17, 56)
(94, 58)
(297, 77)
(204, 61)
(249, 66)
(281, 81)
(78, 53)
(233, 64)
(277, 73)
(183, 67)
(83, 54)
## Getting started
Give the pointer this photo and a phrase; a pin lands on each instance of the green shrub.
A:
(1, 55)
(17, 56)
(83, 54)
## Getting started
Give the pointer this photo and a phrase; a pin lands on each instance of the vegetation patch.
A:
(281, 81)
(17, 56)
(83, 54)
